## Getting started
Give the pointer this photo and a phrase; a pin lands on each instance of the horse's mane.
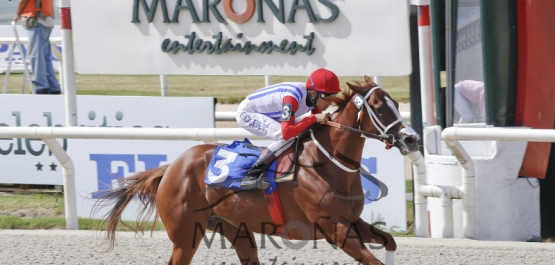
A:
(346, 95)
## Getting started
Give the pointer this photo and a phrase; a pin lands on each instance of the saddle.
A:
(284, 166)
(230, 163)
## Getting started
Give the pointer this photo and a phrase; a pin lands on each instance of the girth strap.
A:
(276, 212)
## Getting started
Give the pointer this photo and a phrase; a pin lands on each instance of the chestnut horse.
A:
(327, 199)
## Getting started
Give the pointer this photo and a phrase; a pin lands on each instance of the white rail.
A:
(49, 134)
(452, 136)
(190, 134)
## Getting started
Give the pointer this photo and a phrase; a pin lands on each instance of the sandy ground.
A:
(80, 247)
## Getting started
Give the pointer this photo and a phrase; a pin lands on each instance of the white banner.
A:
(28, 161)
(385, 202)
(269, 37)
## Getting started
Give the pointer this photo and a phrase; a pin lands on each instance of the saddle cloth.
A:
(230, 163)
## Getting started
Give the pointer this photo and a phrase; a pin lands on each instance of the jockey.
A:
(270, 112)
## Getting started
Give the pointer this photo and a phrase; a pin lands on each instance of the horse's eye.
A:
(379, 110)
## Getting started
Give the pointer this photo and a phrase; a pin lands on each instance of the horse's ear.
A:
(369, 81)
(353, 86)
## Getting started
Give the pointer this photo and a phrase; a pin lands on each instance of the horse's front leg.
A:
(344, 235)
(371, 234)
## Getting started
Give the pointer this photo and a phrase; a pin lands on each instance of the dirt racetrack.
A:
(80, 247)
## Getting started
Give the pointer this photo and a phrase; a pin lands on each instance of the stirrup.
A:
(252, 182)
(254, 172)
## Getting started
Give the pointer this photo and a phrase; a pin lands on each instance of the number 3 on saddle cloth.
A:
(230, 163)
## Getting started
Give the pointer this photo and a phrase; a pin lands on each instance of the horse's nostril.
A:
(410, 140)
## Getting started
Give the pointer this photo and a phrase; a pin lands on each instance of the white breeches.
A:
(263, 126)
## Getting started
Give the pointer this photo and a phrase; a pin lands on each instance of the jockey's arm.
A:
(288, 127)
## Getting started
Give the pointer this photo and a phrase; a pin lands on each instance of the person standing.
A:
(270, 112)
(37, 17)
(470, 101)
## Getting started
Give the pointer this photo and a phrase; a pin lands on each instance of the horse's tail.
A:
(141, 185)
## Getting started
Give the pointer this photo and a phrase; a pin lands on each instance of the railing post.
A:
(425, 51)
(68, 171)
(68, 68)
(70, 96)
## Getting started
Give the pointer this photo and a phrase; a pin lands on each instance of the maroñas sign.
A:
(245, 37)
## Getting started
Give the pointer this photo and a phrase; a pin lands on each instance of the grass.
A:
(45, 211)
(16, 222)
(227, 89)
(48, 205)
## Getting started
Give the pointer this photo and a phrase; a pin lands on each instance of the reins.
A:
(355, 130)
(330, 157)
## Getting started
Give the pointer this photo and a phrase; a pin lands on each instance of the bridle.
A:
(361, 101)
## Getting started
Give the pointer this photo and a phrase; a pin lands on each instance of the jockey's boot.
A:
(254, 177)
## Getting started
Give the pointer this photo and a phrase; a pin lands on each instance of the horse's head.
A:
(379, 114)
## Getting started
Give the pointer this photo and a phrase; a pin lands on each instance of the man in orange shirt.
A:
(38, 18)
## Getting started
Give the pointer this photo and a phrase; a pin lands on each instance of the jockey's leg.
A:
(263, 126)
(268, 156)
(255, 174)
(262, 164)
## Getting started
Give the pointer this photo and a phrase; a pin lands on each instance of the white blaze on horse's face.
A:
(408, 139)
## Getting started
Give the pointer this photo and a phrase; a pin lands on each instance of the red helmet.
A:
(323, 81)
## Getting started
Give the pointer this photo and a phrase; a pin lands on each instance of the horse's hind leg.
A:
(243, 241)
(176, 201)
(187, 237)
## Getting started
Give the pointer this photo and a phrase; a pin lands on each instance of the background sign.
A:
(200, 37)
(28, 161)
